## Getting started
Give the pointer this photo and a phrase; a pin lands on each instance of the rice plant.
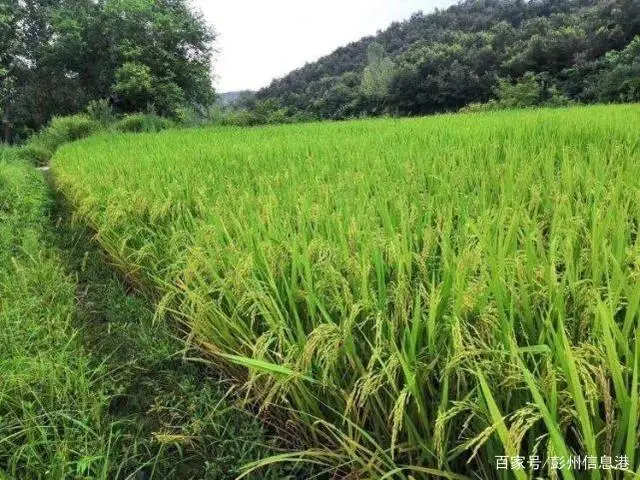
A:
(428, 296)
(90, 386)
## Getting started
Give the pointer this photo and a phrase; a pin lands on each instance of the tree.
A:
(58, 55)
(9, 15)
(443, 76)
(377, 76)
(618, 79)
(134, 84)
(170, 40)
(454, 57)
(525, 93)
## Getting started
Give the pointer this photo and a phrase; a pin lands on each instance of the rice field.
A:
(427, 297)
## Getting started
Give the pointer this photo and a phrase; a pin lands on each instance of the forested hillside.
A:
(513, 51)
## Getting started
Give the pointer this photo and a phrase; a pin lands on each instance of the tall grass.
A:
(51, 397)
(425, 294)
(90, 386)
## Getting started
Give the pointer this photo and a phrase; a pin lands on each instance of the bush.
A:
(241, 118)
(41, 147)
(8, 153)
(69, 129)
(490, 106)
(101, 111)
(36, 152)
(140, 122)
(529, 91)
(201, 116)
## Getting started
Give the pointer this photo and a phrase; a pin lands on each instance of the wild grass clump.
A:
(424, 294)
(143, 123)
(100, 118)
(41, 147)
(102, 112)
(9, 153)
(50, 395)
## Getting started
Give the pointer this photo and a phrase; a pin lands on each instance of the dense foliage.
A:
(100, 119)
(575, 50)
(426, 294)
(58, 55)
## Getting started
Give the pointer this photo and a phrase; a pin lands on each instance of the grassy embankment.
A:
(433, 292)
(90, 386)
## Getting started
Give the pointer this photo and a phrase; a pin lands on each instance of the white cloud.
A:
(261, 40)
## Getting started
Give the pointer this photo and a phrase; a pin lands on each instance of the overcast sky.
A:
(259, 40)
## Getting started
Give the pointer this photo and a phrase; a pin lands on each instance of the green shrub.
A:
(41, 147)
(8, 153)
(140, 122)
(68, 129)
(36, 152)
(241, 118)
(201, 116)
(101, 111)
(490, 106)
(528, 92)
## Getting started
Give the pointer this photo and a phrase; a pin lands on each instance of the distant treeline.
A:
(504, 52)
(58, 57)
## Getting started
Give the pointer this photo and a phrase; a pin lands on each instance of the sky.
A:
(259, 40)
